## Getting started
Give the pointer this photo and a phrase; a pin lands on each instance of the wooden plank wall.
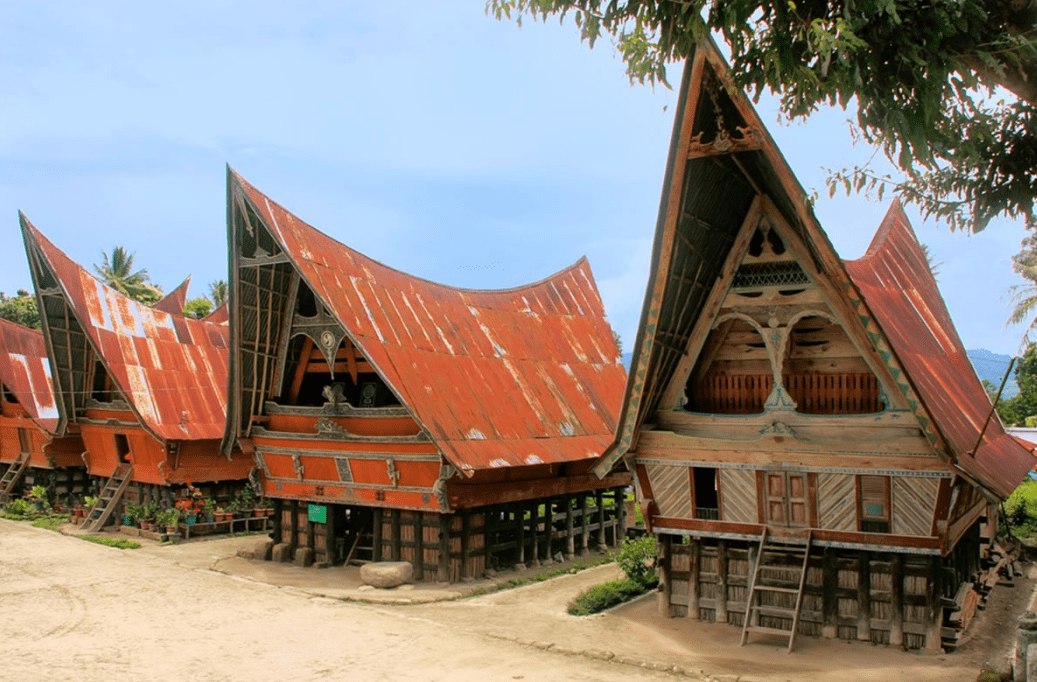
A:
(849, 594)
(914, 503)
(671, 486)
(837, 501)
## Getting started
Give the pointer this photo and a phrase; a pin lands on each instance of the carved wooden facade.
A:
(778, 392)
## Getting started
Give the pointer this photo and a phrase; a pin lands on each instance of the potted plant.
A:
(209, 510)
(89, 502)
(169, 519)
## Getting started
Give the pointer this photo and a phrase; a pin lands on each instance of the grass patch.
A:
(118, 543)
(606, 595)
(50, 522)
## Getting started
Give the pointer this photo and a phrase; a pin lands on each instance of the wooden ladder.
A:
(361, 529)
(108, 499)
(11, 476)
(781, 568)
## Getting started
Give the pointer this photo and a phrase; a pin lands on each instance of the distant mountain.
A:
(990, 366)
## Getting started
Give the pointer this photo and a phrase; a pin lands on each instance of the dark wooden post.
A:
(293, 541)
(721, 600)
(376, 534)
(863, 597)
(444, 548)
(693, 579)
(602, 547)
(419, 548)
(896, 606)
(570, 541)
(465, 529)
(830, 594)
(489, 524)
(750, 567)
(582, 506)
(275, 534)
(621, 517)
(534, 530)
(934, 607)
(396, 547)
(520, 518)
(330, 541)
(663, 569)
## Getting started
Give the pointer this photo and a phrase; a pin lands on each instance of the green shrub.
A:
(19, 508)
(606, 595)
(637, 559)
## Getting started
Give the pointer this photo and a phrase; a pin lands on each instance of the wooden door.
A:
(786, 499)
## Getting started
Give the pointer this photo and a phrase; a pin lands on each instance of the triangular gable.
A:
(25, 372)
(894, 278)
(174, 302)
(511, 377)
(723, 167)
(171, 370)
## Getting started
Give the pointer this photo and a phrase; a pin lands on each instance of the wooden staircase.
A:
(781, 568)
(98, 515)
(11, 476)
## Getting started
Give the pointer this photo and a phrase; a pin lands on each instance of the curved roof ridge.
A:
(503, 290)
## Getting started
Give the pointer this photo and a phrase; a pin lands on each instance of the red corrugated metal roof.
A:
(898, 287)
(498, 378)
(25, 371)
(172, 369)
(174, 302)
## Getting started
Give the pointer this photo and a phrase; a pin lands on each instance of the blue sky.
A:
(426, 135)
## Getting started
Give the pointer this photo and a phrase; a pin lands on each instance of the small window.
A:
(707, 502)
(874, 504)
(122, 446)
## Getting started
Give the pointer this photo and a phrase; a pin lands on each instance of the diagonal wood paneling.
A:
(672, 489)
(738, 495)
(914, 503)
(836, 501)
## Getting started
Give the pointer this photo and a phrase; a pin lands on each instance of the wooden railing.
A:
(856, 393)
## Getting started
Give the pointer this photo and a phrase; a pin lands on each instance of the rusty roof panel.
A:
(172, 369)
(898, 287)
(25, 371)
(498, 378)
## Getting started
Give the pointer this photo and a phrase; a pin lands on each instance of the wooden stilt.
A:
(465, 530)
(396, 540)
(520, 521)
(534, 530)
(570, 541)
(584, 533)
(602, 547)
(663, 569)
(830, 594)
(275, 534)
(693, 579)
(419, 548)
(896, 614)
(721, 600)
(621, 517)
(934, 607)
(444, 548)
(377, 534)
(293, 541)
(863, 597)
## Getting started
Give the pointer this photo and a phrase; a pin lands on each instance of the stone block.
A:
(281, 553)
(386, 573)
(263, 549)
(304, 557)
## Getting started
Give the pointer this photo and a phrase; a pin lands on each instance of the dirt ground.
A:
(73, 610)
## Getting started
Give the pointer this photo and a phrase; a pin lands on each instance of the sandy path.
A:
(73, 610)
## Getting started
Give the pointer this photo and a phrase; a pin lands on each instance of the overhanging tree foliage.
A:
(946, 88)
(20, 308)
(117, 272)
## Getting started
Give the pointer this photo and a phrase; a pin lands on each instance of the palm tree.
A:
(218, 292)
(117, 272)
(1024, 296)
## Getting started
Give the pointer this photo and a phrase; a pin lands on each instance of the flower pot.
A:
(269, 511)
(258, 513)
(191, 519)
(171, 530)
(127, 520)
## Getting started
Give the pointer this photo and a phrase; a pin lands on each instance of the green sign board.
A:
(318, 513)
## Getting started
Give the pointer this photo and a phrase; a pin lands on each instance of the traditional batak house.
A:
(29, 450)
(810, 443)
(146, 387)
(448, 427)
